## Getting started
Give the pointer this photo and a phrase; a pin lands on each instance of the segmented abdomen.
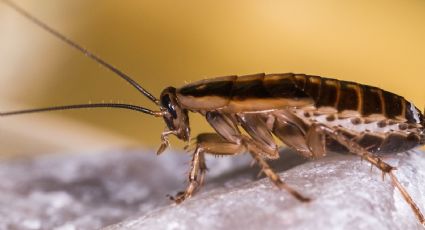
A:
(366, 100)
(276, 91)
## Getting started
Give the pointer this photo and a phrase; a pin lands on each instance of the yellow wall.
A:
(164, 43)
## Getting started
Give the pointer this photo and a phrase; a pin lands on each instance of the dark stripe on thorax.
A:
(221, 87)
(249, 86)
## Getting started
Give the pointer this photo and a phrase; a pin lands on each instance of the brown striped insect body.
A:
(310, 114)
(376, 119)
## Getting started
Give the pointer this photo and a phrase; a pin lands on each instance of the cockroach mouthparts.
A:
(310, 114)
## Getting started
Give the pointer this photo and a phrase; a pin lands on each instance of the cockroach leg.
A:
(211, 143)
(203, 169)
(272, 175)
(196, 176)
(316, 142)
(258, 129)
(164, 141)
(290, 134)
(384, 167)
(301, 110)
(408, 198)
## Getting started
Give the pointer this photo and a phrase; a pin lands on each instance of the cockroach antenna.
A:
(93, 57)
(86, 106)
(298, 109)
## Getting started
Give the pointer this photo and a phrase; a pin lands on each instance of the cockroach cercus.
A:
(310, 114)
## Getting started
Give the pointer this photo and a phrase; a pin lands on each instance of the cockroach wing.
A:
(249, 93)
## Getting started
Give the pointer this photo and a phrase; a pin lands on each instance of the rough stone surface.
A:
(127, 189)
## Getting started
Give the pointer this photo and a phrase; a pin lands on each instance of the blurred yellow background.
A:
(163, 43)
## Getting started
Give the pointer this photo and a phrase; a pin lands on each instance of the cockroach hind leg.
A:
(379, 163)
(408, 198)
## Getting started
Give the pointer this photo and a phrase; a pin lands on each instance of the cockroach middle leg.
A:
(274, 177)
(196, 176)
(287, 105)
(355, 148)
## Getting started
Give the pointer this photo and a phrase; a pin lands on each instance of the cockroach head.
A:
(176, 117)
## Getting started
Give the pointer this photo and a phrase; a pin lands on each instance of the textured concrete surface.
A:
(127, 190)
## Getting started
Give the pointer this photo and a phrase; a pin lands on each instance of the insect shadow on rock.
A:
(310, 114)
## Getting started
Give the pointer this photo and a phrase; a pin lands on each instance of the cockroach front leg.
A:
(164, 141)
(355, 148)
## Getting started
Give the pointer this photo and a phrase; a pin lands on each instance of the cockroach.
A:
(310, 114)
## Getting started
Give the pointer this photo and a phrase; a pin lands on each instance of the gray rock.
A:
(127, 190)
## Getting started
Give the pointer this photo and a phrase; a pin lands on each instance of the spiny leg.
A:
(272, 175)
(205, 143)
(355, 148)
(196, 176)
(408, 198)
(261, 145)
(213, 143)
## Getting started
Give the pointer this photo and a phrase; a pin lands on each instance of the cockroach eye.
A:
(268, 106)
(167, 103)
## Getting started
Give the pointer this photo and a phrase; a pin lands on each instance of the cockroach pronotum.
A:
(309, 114)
